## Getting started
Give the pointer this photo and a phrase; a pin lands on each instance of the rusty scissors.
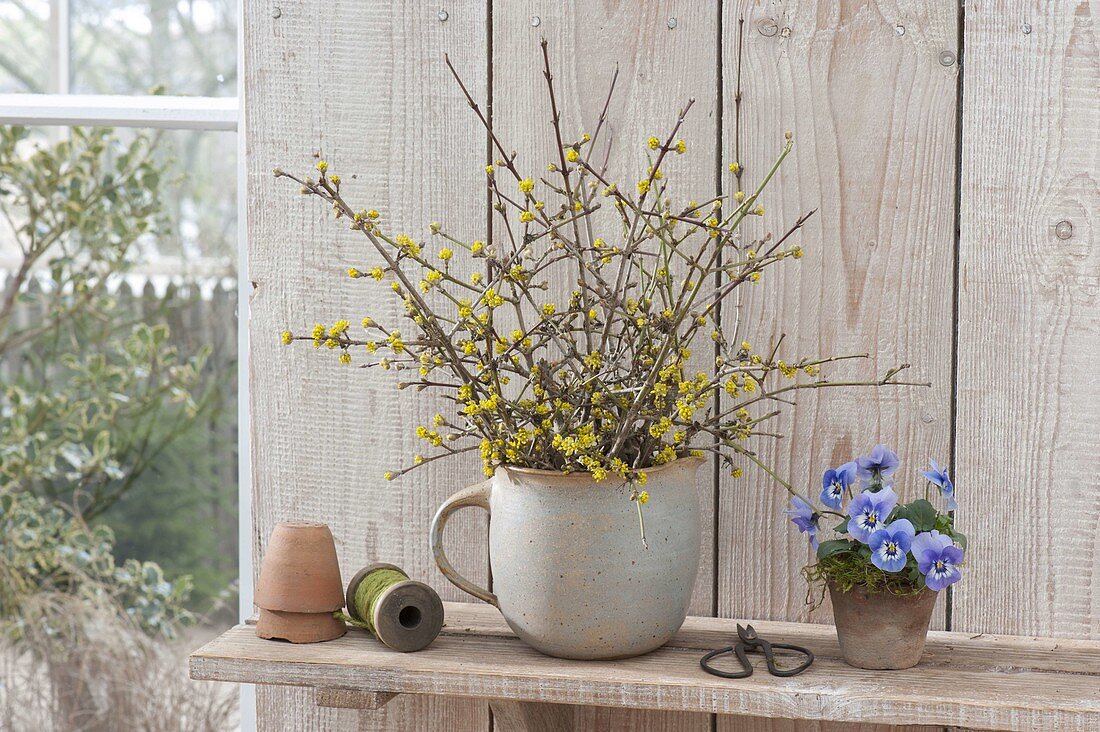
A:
(749, 641)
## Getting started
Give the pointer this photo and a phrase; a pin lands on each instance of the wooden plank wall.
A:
(585, 42)
(870, 90)
(363, 85)
(872, 111)
(1029, 319)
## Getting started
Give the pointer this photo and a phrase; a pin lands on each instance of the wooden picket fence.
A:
(200, 312)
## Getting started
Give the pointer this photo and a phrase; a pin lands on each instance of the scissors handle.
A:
(775, 670)
(739, 650)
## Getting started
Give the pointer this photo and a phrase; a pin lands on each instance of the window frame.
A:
(226, 114)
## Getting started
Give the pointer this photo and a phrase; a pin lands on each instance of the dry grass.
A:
(81, 667)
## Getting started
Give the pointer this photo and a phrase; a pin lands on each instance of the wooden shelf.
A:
(982, 682)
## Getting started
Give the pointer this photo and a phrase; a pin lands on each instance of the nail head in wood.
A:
(276, 12)
(536, 21)
(767, 27)
(1063, 229)
(947, 58)
(899, 29)
(1026, 28)
(443, 15)
(672, 23)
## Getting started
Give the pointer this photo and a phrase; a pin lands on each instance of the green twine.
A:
(368, 592)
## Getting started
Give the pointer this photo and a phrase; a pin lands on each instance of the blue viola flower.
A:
(805, 518)
(938, 559)
(835, 482)
(937, 476)
(869, 511)
(878, 466)
(890, 545)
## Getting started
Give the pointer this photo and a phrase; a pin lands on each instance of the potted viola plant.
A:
(588, 411)
(889, 562)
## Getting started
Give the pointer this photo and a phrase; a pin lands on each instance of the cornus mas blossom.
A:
(629, 365)
(881, 544)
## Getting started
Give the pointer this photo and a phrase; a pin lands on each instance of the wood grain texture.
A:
(659, 69)
(363, 85)
(1029, 320)
(351, 699)
(984, 682)
(873, 118)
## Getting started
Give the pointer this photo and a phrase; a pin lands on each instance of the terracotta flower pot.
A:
(881, 630)
(299, 587)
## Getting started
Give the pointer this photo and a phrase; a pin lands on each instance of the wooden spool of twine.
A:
(404, 614)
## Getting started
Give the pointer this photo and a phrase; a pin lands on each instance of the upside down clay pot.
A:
(571, 575)
(881, 630)
(300, 586)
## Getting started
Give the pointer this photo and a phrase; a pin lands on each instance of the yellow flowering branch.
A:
(597, 382)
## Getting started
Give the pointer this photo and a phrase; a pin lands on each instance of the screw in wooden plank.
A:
(947, 58)
(672, 23)
(276, 12)
(899, 29)
(443, 15)
(536, 21)
(767, 27)
(1026, 28)
(1063, 229)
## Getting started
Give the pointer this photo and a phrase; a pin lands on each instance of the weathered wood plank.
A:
(511, 716)
(873, 118)
(1029, 320)
(351, 698)
(659, 69)
(364, 85)
(984, 682)
(872, 111)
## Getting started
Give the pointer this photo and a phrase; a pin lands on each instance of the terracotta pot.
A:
(299, 627)
(881, 630)
(570, 573)
(299, 586)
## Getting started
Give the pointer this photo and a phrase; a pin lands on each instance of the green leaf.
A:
(834, 546)
(842, 527)
(960, 539)
(920, 513)
(101, 447)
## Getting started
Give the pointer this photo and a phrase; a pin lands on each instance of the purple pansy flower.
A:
(880, 464)
(869, 511)
(937, 559)
(937, 476)
(890, 545)
(804, 517)
(835, 482)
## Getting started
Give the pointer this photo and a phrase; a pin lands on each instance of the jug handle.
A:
(475, 495)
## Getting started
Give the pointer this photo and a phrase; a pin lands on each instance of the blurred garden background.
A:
(118, 371)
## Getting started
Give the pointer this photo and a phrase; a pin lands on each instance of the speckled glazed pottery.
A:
(570, 573)
(880, 630)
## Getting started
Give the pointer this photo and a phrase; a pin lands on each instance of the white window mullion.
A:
(100, 110)
(60, 67)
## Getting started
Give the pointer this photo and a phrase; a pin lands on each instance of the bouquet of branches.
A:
(603, 380)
